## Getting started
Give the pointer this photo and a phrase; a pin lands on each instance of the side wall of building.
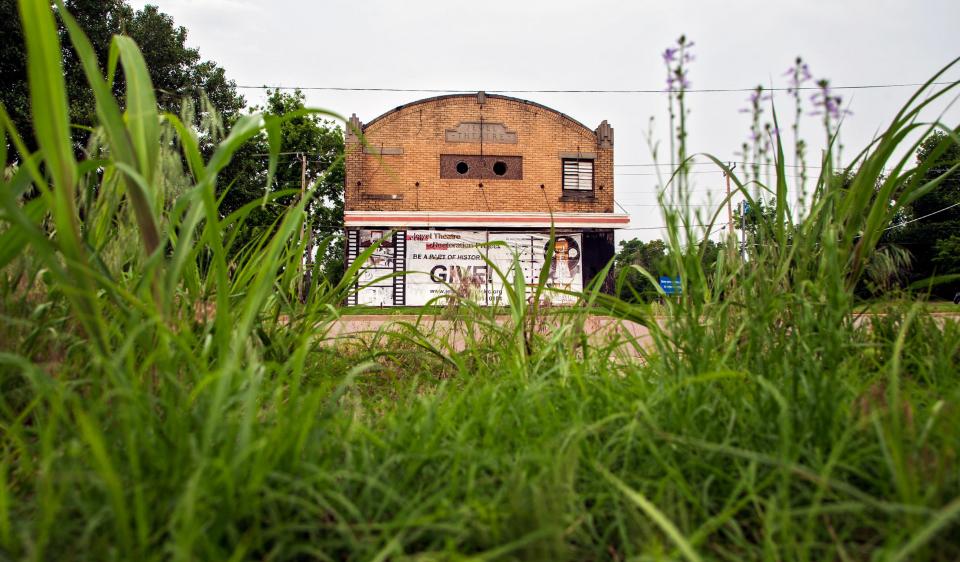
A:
(399, 169)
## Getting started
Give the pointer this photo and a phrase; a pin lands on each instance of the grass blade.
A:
(655, 514)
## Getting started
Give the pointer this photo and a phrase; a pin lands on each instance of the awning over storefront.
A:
(428, 219)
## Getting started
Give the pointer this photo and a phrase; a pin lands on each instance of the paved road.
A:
(600, 329)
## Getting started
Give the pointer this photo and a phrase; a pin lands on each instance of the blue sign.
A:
(671, 286)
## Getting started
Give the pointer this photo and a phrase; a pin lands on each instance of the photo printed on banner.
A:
(529, 251)
(375, 283)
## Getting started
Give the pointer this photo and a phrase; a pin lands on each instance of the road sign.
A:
(671, 286)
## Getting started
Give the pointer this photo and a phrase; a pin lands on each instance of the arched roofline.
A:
(474, 95)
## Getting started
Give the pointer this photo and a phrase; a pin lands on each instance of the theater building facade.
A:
(452, 184)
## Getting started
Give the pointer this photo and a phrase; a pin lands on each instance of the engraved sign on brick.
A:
(473, 131)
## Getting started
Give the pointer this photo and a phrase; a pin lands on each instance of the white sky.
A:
(564, 44)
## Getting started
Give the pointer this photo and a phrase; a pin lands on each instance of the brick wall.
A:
(404, 147)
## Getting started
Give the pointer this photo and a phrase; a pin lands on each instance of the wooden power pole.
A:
(730, 167)
(304, 234)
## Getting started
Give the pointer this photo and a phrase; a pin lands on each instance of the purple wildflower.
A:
(754, 100)
(675, 58)
(828, 102)
(757, 96)
(798, 74)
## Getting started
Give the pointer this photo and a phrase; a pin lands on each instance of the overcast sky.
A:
(535, 45)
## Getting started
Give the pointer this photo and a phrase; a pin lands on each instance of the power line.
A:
(671, 205)
(597, 91)
(923, 217)
(667, 191)
(699, 173)
(672, 165)
(724, 224)
(655, 174)
(715, 225)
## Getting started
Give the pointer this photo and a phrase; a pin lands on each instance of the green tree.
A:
(749, 216)
(933, 236)
(177, 71)
(13, 71)
(305, 137)
(651, 256)
(711, 253)
(948, 254)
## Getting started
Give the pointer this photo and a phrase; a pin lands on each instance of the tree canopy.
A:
(651, 256)
(305, 137)
(177, 71)
(188, 85)
(931, 231)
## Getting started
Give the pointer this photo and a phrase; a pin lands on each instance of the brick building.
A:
(463, 180)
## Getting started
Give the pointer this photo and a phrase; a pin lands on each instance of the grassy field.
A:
(764, 423)
(936, 307)
(657, 309)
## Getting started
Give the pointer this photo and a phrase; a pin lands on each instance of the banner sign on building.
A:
(442, 263)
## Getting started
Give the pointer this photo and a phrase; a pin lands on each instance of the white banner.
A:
(447, 262)
(444, 262)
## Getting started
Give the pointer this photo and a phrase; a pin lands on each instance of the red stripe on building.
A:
(381, 219)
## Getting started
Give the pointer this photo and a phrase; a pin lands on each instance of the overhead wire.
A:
(710, 162)
(938, 211)
(580, 91)
(923, 217)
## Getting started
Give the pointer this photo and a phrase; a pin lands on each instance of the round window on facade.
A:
(462, 168)
(500, 168)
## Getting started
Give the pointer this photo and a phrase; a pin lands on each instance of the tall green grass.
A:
(164, 400)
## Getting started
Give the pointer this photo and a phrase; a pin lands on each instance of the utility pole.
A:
(730, 167)
(308, 263)
(303, 174)
(743, 230)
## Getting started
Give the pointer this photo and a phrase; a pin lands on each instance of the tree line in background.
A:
(920, 251)
(932, 233)
(199, 91)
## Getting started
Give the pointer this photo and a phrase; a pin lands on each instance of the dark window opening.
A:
(499, 167)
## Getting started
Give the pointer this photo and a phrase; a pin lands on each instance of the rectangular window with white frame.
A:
(577, 174)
